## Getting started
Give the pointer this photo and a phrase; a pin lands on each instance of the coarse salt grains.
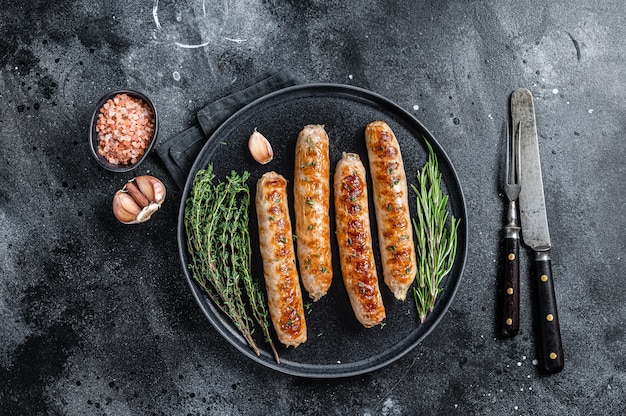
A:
(125, 129)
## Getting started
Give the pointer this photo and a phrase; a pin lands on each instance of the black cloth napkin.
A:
(179, 152)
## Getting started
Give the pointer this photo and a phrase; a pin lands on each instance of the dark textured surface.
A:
(97, 317)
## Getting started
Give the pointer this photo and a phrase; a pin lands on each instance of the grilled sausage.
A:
(354, 238)
(279, 260)
(311, 195)
(391, 203)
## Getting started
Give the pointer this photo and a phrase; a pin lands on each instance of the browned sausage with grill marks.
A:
(311, 200)
(284, 296)
(354, 238)
(391, 203)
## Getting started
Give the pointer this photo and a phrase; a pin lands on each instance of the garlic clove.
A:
(260, 148)
(138, 199)
(152, 188)
(134, 191)
(125, 208)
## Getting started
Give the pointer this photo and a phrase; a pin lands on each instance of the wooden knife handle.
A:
(552, 359)
(510, 293)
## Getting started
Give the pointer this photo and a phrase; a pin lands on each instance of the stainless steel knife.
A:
(535, 232)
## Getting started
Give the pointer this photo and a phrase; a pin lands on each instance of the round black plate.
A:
(337, 346)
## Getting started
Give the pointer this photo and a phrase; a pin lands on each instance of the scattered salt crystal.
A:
(555, 91)
(416, 107)
(590, 110)
(519, 364)
(535, 361)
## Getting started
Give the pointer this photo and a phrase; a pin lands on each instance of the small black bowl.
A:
(93, 134)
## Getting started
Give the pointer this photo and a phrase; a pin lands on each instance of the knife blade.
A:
(535, 231)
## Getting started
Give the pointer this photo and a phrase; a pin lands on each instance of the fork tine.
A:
(508, 154)
(512, 162)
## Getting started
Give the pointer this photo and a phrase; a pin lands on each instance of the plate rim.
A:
(323, 371)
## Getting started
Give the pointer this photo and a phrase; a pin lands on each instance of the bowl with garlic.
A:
(123, 130)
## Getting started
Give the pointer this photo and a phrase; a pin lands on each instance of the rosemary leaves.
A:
(218, 241)
(436, 236)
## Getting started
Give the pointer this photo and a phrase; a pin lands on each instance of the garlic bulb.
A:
(138, 199)
(260, 148)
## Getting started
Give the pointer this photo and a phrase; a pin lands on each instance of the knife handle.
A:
(551, 347)
(510, 293)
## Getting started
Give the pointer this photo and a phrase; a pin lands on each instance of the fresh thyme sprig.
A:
(218, 240)
(436, 236)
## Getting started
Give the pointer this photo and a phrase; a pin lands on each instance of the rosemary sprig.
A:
(436, 243)
(218, 241)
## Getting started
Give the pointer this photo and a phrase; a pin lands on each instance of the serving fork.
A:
(512, 188)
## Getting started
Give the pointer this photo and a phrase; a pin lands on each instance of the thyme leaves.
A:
(218, 240)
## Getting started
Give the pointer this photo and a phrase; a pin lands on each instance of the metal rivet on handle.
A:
(544, 278)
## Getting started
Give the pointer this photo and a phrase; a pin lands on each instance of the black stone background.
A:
(96, 317)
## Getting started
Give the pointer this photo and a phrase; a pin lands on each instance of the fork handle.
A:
(510, 293)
